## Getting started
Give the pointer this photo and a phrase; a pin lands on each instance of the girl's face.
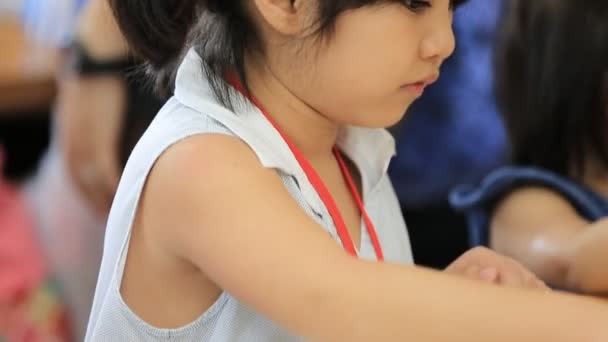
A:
(376, 62)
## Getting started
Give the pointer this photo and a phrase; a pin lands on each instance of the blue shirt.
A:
(478, 202)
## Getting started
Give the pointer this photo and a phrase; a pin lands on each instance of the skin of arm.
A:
(98, 32)
(91, 109)
(539, 228)
(257, 244)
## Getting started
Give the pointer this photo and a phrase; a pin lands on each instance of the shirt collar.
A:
(370, 149)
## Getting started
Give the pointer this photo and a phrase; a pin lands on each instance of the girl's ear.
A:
(287, 17)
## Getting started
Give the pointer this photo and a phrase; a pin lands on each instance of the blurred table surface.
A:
(27, 71)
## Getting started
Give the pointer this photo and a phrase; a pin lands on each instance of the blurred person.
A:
(99, 116)
(549, 208)
(249, 208)
(452, 135)
(31, 307)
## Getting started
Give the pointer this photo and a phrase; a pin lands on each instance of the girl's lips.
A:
(418, 87)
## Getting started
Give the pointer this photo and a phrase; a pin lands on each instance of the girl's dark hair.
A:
(160, 31)
(552, 83)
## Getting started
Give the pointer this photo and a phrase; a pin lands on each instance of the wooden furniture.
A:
(27, 71)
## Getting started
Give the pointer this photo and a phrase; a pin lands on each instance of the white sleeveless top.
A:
(192, 111)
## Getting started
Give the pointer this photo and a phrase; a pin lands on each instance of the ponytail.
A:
(157, 31)
(161, 31)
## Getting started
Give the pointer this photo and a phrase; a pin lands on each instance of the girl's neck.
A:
(311, 132)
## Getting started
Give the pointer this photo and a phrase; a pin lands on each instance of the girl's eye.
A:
(416, 5)
(419, 5)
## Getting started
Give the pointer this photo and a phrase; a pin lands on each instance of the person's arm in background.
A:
(99, 33)
(91, 109)
(543, 231)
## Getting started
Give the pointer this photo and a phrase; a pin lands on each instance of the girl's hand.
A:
(485, 265)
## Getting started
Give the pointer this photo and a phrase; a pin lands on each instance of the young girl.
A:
(547, 210)
(236, 208)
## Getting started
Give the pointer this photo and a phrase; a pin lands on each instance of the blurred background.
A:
(70, 113)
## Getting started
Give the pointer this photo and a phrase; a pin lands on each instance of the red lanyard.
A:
(322, 191)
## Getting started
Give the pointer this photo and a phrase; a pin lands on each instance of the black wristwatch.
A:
(81, 63)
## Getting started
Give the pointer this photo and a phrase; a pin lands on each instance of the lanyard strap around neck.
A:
(321, 189)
